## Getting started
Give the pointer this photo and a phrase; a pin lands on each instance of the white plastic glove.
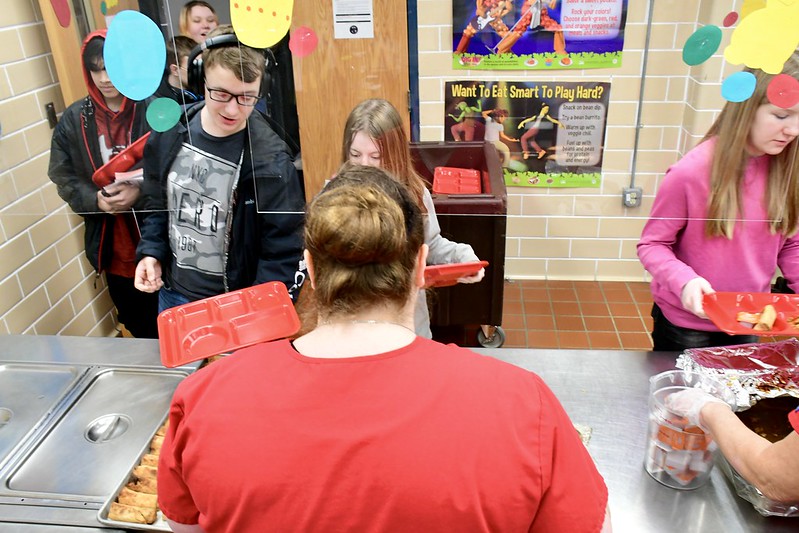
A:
(474, 278)
(689, 403)
(692, 293)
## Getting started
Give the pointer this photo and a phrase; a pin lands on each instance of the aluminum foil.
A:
(753, 371)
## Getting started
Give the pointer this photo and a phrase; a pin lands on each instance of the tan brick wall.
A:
(587, 234)
(46, 284)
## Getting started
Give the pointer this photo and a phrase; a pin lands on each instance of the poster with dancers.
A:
(537, 34)
(547, 134)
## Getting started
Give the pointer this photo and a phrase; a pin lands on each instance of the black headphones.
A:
(195, 63)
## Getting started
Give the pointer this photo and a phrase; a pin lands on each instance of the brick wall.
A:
(46, 284)
(587, 234)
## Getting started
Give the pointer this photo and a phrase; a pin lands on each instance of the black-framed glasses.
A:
(221, 95)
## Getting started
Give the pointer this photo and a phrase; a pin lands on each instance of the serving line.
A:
(608, 391)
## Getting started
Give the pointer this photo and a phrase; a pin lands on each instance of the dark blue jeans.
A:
(667, 337)
(168, 298)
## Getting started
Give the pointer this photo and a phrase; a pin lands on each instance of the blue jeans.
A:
(667, 337)
(168, 298)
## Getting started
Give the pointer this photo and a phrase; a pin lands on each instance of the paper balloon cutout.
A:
(738, 87)
(62, 12)
(701, 45)
(730, 19)
(765, 38)
(783, 91)
(162, 114)
(134, 54)
(261, 23)
(303, 41)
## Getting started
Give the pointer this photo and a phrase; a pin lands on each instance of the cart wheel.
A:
(495, 341)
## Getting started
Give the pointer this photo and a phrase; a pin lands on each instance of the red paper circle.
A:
(303, 41)
(730, 19)
(62, 12)
(783, 91)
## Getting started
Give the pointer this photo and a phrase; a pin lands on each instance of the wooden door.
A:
(342, 72)
(65, 44)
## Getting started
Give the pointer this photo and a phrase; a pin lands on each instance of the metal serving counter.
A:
(77, 412)
(608, 391)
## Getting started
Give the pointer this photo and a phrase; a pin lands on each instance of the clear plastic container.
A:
(678, 454)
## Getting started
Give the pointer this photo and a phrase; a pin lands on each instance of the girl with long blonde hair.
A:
(374, 136)
(725, 217)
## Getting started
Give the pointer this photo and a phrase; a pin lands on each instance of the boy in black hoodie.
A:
(90, 133)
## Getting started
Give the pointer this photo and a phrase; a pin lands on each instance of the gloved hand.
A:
(692, 293)
(689, 403)
(474, 278)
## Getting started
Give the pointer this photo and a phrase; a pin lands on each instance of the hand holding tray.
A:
(226, 322)
(446, 275)
(722, 309)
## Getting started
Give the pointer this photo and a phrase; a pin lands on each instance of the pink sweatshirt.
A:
(674, 249)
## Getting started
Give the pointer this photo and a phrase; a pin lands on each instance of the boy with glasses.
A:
(225, 204)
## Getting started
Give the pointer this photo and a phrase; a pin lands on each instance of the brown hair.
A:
(363, 232)
(380, 120)
(185, 14)
(245, 62)
(731, 130)
(177, 48)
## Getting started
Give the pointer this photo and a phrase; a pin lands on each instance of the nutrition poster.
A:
(537, 34)
(547, 134)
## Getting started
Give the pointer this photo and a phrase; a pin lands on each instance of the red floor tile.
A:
(604, 340)
(535, 295)
(515, 338)
(599, 323)
(513, 321)
(562, 295)
(540, 322)
(594, 308)
(569, 323)
(573, 339)
(631, 324)
(577, 314)
(635, 341)
(512, 307)
(537, 308)
(542, 339)
(566, 308)
(623, 309)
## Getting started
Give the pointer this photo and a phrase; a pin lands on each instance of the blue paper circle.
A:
(134, 54)
(738, 87)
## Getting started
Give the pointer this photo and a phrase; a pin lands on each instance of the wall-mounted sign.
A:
(353, 19)
(537, 34)
(548, 134)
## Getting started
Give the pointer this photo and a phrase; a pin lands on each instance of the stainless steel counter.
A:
(608, 391)
(53, 474)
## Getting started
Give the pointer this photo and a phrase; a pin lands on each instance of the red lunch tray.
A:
(446, 275)
(452, 180)
(223, 323)
(723, 308)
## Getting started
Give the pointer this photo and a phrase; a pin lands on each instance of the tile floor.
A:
(577, 314)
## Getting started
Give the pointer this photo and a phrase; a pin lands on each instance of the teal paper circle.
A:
(701, 45)
(162, 114)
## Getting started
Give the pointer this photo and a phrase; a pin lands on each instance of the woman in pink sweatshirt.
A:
(725, 217)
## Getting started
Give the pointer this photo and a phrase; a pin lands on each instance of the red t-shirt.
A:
(425, 438)
(793, 418)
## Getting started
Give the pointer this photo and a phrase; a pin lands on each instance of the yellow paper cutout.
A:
(751, 5)
(261, 23)
(766, 38)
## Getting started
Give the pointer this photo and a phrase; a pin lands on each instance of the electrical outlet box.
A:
(631, 196)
